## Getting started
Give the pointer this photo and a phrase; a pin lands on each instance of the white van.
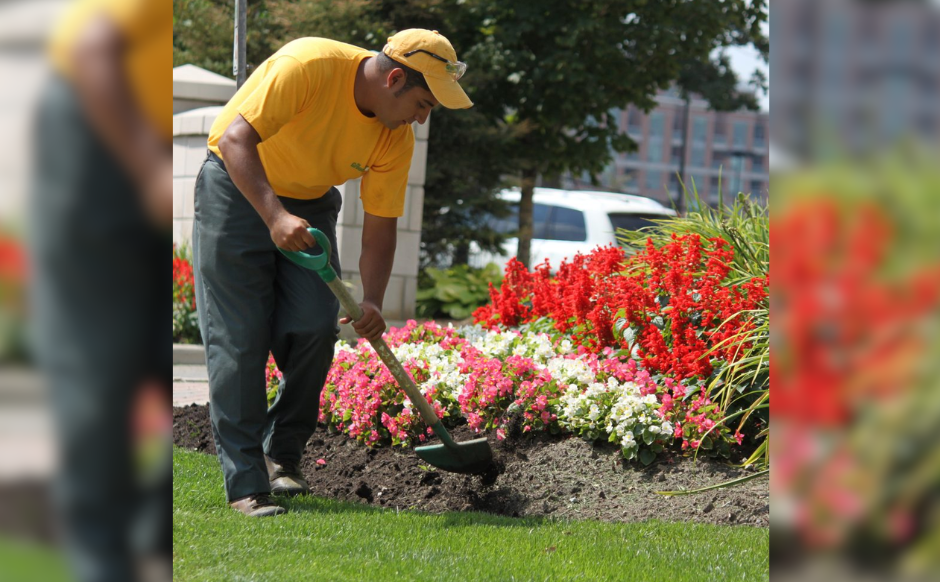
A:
(566, 222)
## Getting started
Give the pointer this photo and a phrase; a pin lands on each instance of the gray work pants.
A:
(252, 299)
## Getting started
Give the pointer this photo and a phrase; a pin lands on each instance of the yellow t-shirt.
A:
(300, 101)
(148, 29)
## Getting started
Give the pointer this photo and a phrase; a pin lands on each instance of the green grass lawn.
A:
(322, 539)
(27, 562)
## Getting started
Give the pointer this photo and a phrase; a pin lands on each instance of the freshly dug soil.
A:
(534, 476)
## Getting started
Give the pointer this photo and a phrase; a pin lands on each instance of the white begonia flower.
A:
(342, 346)
(544, 346)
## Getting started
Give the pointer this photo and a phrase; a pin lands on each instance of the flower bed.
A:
(624, 349)
(488, 378)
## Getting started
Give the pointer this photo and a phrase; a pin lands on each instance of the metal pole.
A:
(238, 63)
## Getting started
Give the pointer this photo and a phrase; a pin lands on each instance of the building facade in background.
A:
(726, 153)
(854, 77)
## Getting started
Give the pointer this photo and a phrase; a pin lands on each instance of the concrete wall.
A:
(190, 132)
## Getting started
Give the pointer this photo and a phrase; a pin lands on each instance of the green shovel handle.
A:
(319, 262)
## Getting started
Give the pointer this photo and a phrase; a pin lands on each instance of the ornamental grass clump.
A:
(739, 347)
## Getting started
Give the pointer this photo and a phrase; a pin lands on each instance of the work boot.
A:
(257, 505)
(286, 478)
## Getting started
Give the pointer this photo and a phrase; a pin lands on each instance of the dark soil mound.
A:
(535, 476)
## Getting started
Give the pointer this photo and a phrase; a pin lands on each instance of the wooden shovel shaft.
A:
(381, 348)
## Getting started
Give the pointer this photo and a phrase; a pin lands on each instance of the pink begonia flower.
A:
(541, 402)
(678, 390)
(500, 434)
(666, 406)
(321, 461)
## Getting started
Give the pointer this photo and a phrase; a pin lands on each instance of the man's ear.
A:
(395, 78)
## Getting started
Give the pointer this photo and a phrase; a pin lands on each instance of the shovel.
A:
(474, 456)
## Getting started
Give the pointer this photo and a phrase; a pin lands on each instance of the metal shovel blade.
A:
(469, 457)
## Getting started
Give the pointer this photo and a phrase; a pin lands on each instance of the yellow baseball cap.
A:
(432, 55)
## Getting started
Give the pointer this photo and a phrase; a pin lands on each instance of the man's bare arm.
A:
(379, 236)
(239, 146)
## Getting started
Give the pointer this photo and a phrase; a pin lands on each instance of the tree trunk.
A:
(461, 254)
(525, 217)
(680, 195)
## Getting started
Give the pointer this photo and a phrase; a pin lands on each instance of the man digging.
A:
(315, 114)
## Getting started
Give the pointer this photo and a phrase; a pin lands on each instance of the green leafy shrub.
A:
(455, 292)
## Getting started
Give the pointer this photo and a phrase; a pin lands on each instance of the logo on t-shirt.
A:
(358, 166)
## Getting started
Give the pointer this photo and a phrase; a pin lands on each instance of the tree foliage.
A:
(203, 33)
(555, 68)
(470, 157)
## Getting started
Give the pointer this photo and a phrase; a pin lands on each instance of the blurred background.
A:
(855, 130)
(27, 446)
(85, 205)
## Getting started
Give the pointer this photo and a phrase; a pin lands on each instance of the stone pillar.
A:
(190, 137)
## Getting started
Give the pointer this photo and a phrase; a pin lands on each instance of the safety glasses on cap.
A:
(456, 70)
